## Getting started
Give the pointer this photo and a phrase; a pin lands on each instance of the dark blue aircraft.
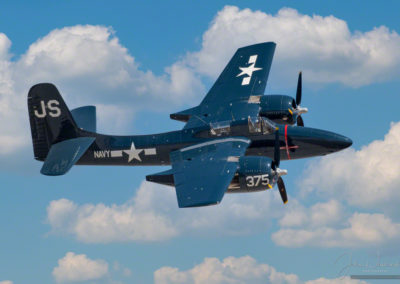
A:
(232, 142)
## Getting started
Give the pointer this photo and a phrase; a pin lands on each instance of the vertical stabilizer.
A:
(51, 121)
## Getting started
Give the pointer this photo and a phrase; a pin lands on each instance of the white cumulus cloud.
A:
(319, 214)
(323, 47)
(327, 225)
(153, 215)
(368, 177)
(78, 267)
(229, 270)
(89, 66)
(6, 282)
(235, 270)
(93, 66)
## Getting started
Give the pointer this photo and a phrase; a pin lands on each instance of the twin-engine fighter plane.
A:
(232, 142)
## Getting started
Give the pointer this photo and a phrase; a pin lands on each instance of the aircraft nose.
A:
(315, 142)
(331, 141)
(342, 142)
(336, 142)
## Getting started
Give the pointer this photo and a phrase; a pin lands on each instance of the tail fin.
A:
(50, 119)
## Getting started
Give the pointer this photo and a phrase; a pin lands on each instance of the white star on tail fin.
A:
(248, 70)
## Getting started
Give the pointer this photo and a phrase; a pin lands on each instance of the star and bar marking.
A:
(133, 153)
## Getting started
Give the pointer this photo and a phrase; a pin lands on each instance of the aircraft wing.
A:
(229, 98)
(203, 172)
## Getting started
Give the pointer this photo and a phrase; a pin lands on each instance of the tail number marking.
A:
(53, 109)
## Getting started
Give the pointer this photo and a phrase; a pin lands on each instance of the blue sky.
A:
(139, 62)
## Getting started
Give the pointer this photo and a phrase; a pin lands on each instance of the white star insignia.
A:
(248, 70)
(133, 153)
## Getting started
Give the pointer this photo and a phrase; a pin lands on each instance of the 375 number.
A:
(253, 181)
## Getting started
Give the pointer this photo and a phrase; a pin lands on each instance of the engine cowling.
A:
(278, 108)
(254, 174)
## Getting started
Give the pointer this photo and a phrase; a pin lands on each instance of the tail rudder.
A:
(50, 119)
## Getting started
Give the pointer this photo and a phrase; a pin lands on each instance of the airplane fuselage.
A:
(154, 149)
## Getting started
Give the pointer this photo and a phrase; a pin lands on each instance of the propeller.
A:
(300, 121)
(298, 110)
(275, 166)
(282, 190)
(299, 87)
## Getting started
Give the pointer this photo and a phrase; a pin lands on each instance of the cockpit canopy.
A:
(258, 124)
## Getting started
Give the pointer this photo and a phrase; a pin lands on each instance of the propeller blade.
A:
(277, 150)
(300, 121)
(298, 92)
(282, 190)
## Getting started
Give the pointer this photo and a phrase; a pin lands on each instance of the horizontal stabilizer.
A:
(63, 155)
(85, 117)
(165, 177)
(184, 115)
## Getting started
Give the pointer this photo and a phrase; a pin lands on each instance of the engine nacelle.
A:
(254, 174)
(278, 108)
